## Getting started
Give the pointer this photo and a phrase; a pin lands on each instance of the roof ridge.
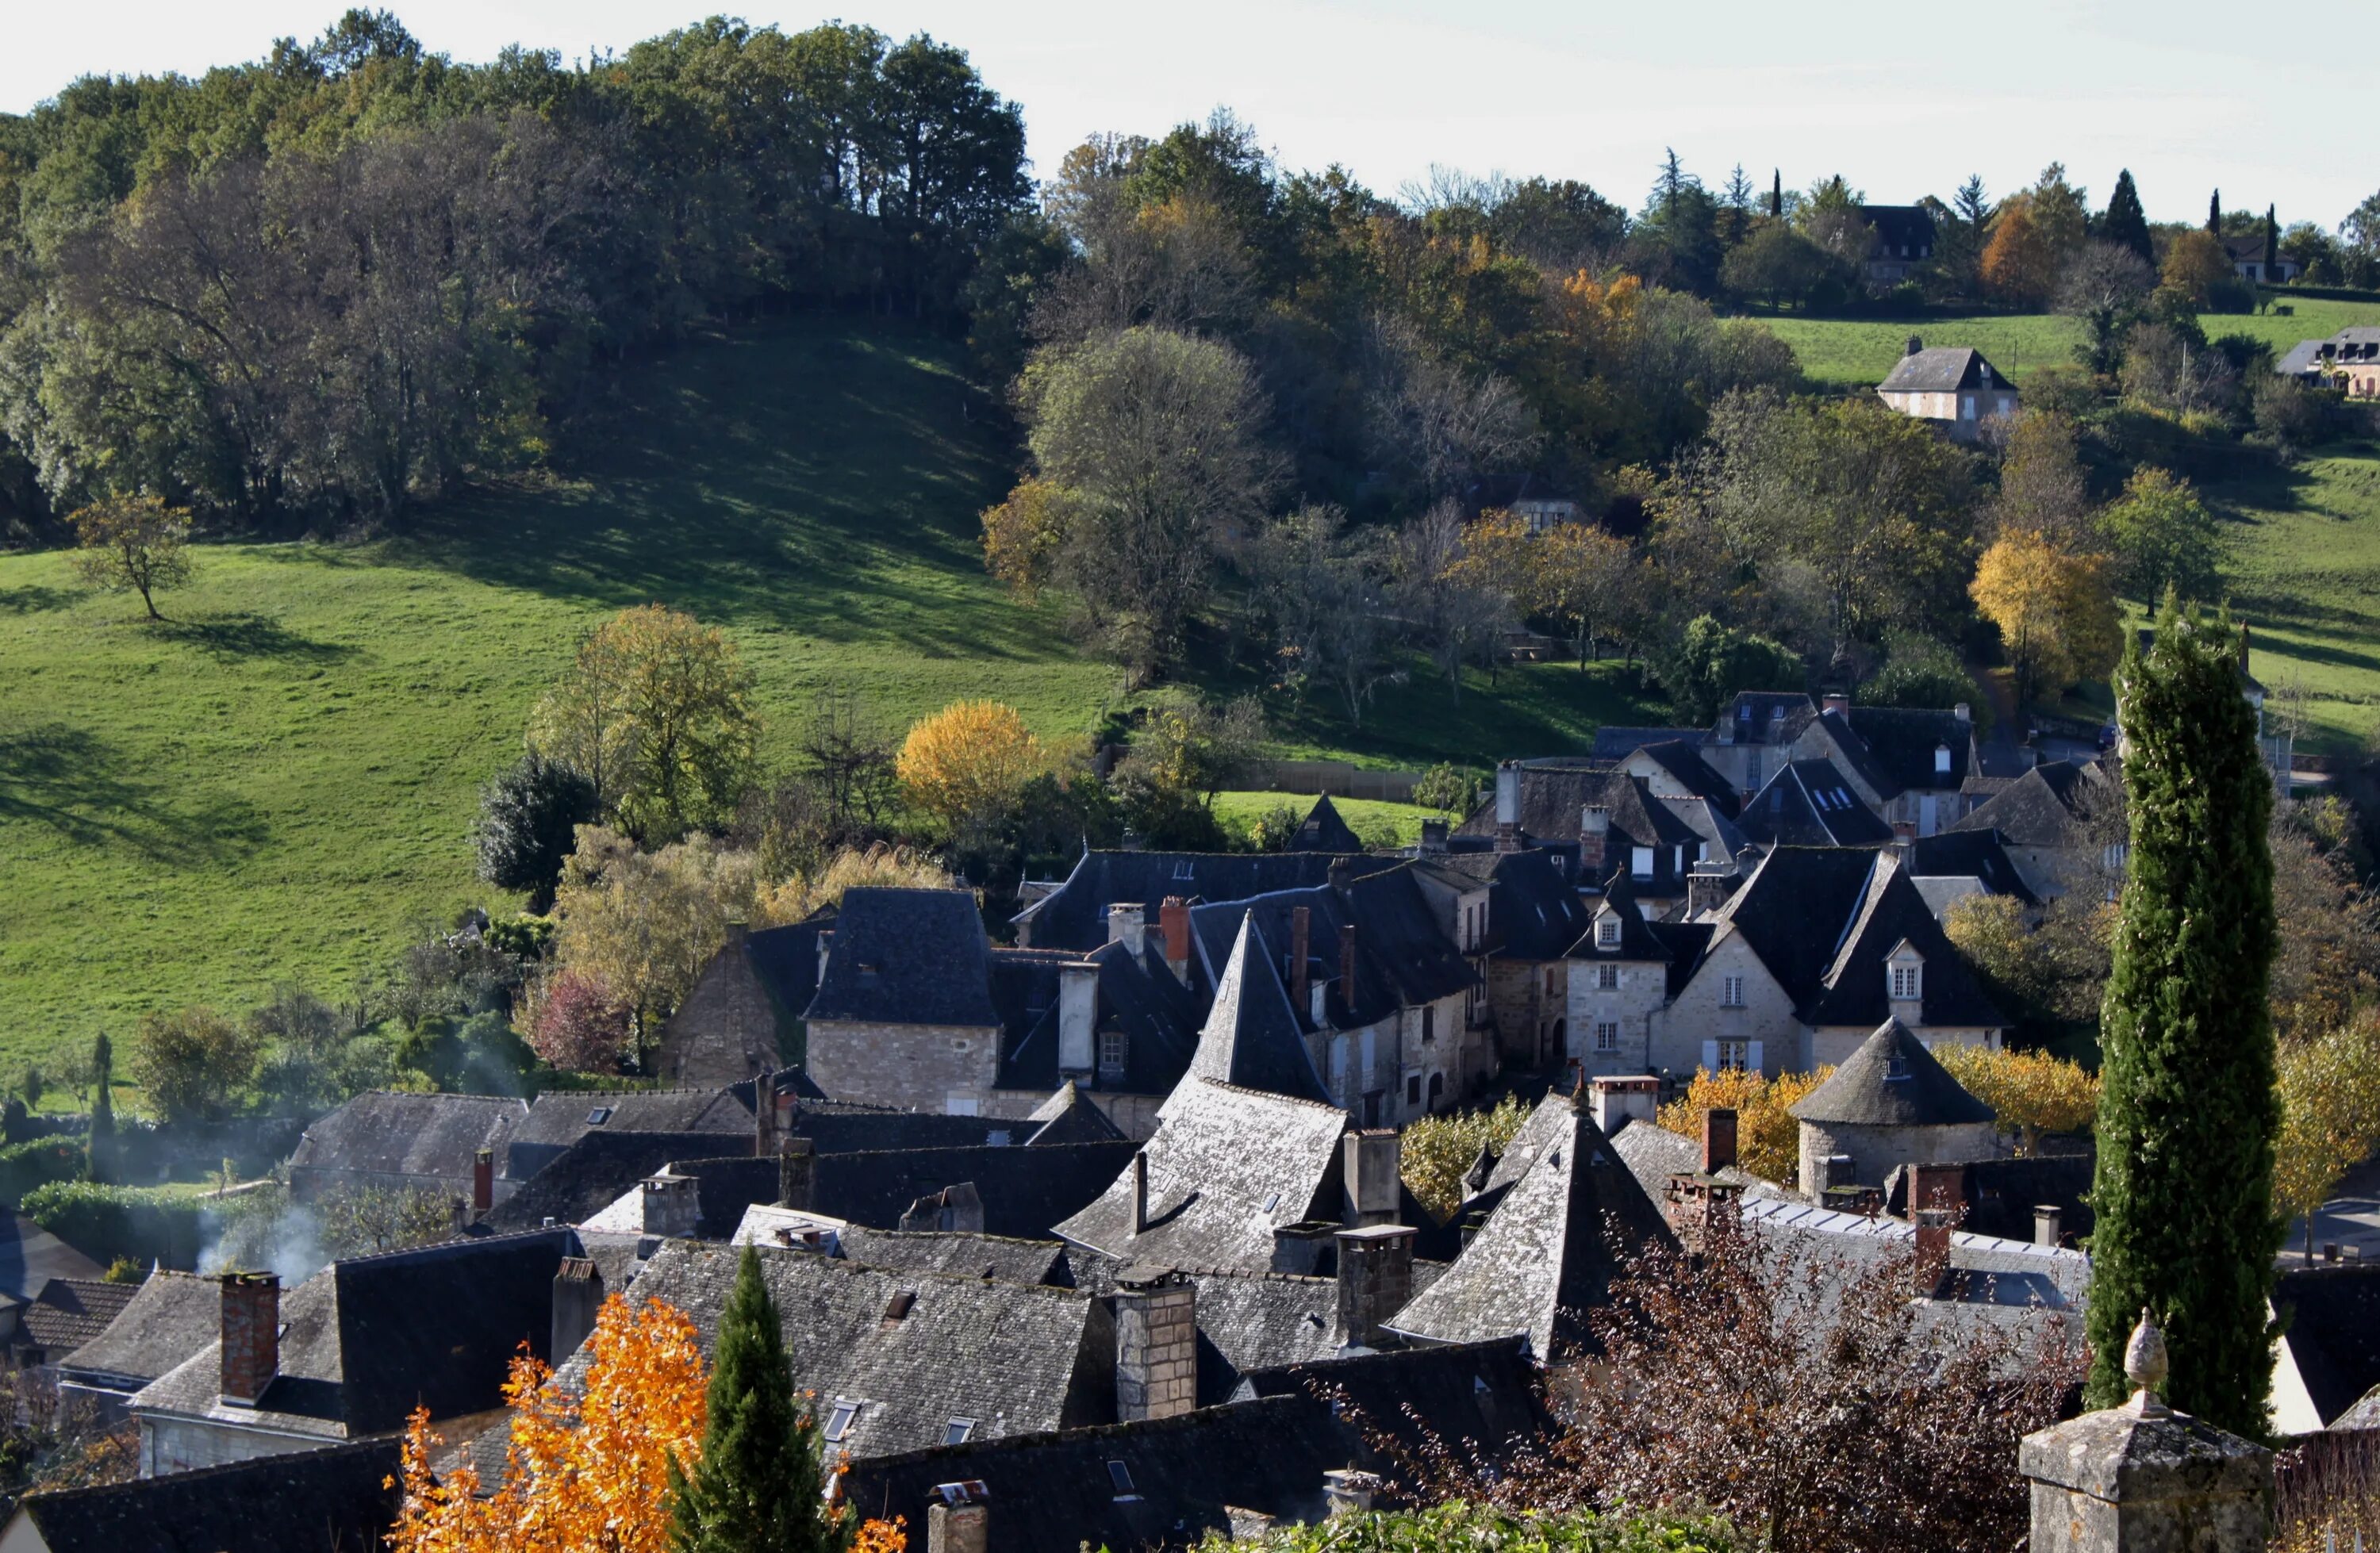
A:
(1260, 1094)
(972, 1280)
(195, 1474)
(460, 1243)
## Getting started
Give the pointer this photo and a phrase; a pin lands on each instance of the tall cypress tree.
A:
(100, 1149)
(760, 1487)
(1776, 193)
(2126, 223)
(2187, 1117)
(2272, 239)
(2215, 213)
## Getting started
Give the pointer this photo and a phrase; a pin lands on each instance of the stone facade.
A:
(1876, 1151)
(727, 1029)
(170, 1445)
(1529, 1001)
(949, 1069)
(1757, 1019)
(1157, 1347)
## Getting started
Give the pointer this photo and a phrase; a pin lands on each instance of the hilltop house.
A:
(1902, 244)
(2248, 261)
(1951, 387)
(2348, 361)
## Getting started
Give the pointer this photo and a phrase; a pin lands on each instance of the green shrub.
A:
(36, 1162)
(146, 1223)
(1481, 1529)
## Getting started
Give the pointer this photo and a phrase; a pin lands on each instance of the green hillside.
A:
(277, 783)
(1856, 353)
(2305, 573)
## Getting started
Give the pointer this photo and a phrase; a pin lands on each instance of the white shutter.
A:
(1711, 1055)
(1751, 1060)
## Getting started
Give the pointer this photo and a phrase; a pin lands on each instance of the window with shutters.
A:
(1735, 1056)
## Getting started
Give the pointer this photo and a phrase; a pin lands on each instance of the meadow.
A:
(278, 782)
(1856, 353)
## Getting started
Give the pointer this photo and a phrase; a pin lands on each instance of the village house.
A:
(170, 1317)
(1074, 917)
(1908, 767)
(2250, 261)
(1952, 388)
(2348, 361)
(1901, 242)
(1593, 818)
(1890, 1103)
(743, 1016)
(2061, 824)
(329, 1501)
(63, 1315)
(404, 1143)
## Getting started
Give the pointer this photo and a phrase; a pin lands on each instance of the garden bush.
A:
(146, 1223)
(1483, 1529)
(36, 1162)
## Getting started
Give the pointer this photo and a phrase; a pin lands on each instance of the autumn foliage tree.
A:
(1769, 1140)
(2020, 266)
(2329, 1085)
(2055, 608)
(579, 1024)
(645, 924)
(967, 764)
(133, 544)
(2033, 1092)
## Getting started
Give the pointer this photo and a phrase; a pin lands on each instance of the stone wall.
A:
(917, 1067)
(1632, 1005)
(726, 1030)
(1525, 1011)
(1701, 1013)
(1876, 1151)
(170, 1445)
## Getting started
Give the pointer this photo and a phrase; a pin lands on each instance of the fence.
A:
(1340, 779)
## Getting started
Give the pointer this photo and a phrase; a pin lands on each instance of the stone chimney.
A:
(483, 1180)
(1433, 838)
(1375, 1279)
(1508, 805)
(252, 1335)
(1839, 702)
(1128, 925)
(1937, 1186)
(1708, 885)
(1633, 1097)
(798, 1174)
(1963, 712)
(959, 1518)
(1368, 1165)
(1347, 966)
(1078, 1008)
(1719, 1139)
(1828, 1173)
(1173, 923)
(1140, 1192)
(1133, 841)
(672, 1207)
(1593, 833)
(764, 1115)
(577, 1295)
(1916, 344)
(2143, 1476)
(1157, 1343)
(1349, 1491)
(2049, 1223)
(1301, 954)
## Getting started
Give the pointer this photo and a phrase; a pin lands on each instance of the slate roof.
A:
(1901, 743)
(1637, 939)
(1139, 996)
(1957, 854)
(1533, 912)
(960, 1255)
(169, 1317)
(1403, 954)
(1765, 717)
(2000, 1195)
(1255, 1321)
(2299, 360)
(594, 1171)
(785, 959)
(308, 1501)
(1891, 1081)
(2047, 807)
(69, 1312)
(1617, 744)
(1013, 1358)
(1682, 758)
(2332, 1321)
(1024, 1190)
(1553, 797)
(1653, 1154)
(907, 957)
(1322, 830)
(1074, 916)
(1941, 370)
(1067, 1116)
(559, 1118)
(1550, 1250)
(1809, 803)
(368, 1339)
(1474, 1394)
(1251, 1038)
(429, 1137)
(1899, 227)
(1226, 1168)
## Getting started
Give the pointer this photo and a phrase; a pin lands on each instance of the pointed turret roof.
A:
(1893, 1081)
(1323, 829)
(1251, 1037)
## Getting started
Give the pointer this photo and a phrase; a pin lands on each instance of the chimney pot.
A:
(2047, 1224)
(252, 1335)
(1508, 805)
(1173, 924)
(1593, 837)
(483, 1180)
(958, 1527)
(672, 1208)
(1128, 925)
(1719, 1139)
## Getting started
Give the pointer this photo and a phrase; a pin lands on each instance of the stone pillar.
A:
(2143, 1476)
(1157, 1344)
(798, 1173)
(958, 1528)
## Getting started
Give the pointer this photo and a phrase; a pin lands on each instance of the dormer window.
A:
(1896, 1066)
(1640, 861)
(1941, 761)
(1607, 932)
(1906, 985)
(1111, 1055)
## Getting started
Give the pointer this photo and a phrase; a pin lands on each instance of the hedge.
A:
(1480, 1529)
(146, 1223)
(36, 1162)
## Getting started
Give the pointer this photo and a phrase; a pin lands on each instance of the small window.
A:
(1896, 1066)
(1607, 1035)
(1904, 983)
(1430, 1023)
(956, 1431)
(899, 1305)
(1111, 1055)
(839, 1421)
(1606, 978)
(1549, 978)
(600, 1115)
(1272, 1202)
(1640, 861)
(1413, 1090)
(1606, 933)
(1731, 991)
(1121, 1475)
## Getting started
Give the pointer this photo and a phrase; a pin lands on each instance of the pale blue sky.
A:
(2273, 103)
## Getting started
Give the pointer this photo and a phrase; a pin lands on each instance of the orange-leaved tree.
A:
(1768, 1141)
(2031, 1091)
(968, 763)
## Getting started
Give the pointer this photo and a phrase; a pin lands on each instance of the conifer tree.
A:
(759, 1486)
(101, 1147)
(2126, 223)
(2214, 215)
(2272, 239)
(1777, 194)
(2188, 1115)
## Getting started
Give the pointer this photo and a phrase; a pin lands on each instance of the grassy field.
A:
(1382, 824)
(277, 781)
(1856, 353)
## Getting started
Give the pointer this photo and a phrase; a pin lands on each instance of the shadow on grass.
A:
(76, 784)
(249, 635)
(34, 598)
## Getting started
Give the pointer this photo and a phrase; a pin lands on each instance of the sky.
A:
(1903, 100)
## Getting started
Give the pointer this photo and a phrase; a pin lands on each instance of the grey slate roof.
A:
(1941, 370)
(1138, 996)
(69, 1312)
(1068, 1116)
(907, 957)
(368, 1339)
(1226, 1168)
(1322, 830)
(960, 1253)
(1250, 1321)
(1892, 912)
(1891, 1081)
(594, 1171)
(1808, 803)
(1653, 1154)
(2299, 360)
(1553, 797)
(2000, 1195)
(1252, 1038)
(1550, 1250)
(1024, 1190)
(1613, 744)
(1015, 1359)
(559, 1118)
(2047, 807)
(1682, 758)
(430, 1137)
(1900, 745)
(171, 1316)
(1960, 853)
(1637, 939)
(1074, 916)
(1403, 956)
(1533, 912)
(308, 1501)
(1483, 1394)
(1766, 717)
(2332, 1317)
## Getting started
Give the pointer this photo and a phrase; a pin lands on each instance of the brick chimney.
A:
(1937, 1186)
(1932, 1248)
(1301, 954)
(959, 1518)
(1508, 805)
(798, 1174)
(1128, 925)
(1173, 922)
(577, 1295)
(1347, 966)
(252, 1335)
(1157, 1343)
(1839, 702)
(672, 1207)
(1375, 1279)
(1593, 834)
(1078, 1008)
(1368, 1165)
(2049, 1224)
(1719, 1139)
(483, 1180)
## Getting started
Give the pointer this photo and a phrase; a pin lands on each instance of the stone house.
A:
(903, 1014)
(2061, 824)
(1909, 767)
(1810, 802)
(171, 1316)
(744, 1014)
(1074, 917)
(1952, 388)
(1534, 918)
(2248, 261)
(1900, 242)
(2348, 361)
(1887, 1104)
(1594, 819)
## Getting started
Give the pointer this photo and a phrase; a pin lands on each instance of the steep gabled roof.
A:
(1797, 911)
(305, 1501)
(1981, 855)
(172, 1316)
(960, 1253)
(907, 957)
(1637, 940)
(1808, 803)
(1252, 1039)
(1227, 1168)
(560, 1117)
(2047, 807)
(1891, 1081)
(69, 1312)
(1765, 717)
(1138, 996)
(1857, 986)
(1401, 938)
(1323, 830)
(1941, 370)
(1550, 1250)
(1682, 758)
(1533, 912)
(1074, 916)
(1024, 1190)
(1068, 1116)
(431, 1136)
(1901, 744)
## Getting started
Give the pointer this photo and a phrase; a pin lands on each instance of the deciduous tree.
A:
(2196, 264)
(1767, 1138)
(2163, 537)
(133, 544)
(2328, 1083)
(2033, 1092)
(2018, 265)
(192, 1063)
(579, 1024)
(967, 764)
(644, 924)
(2054, 608)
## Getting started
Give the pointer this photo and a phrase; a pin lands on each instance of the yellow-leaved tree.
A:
(2055, 608)
(881, 865)
(643, 924)
(967, 764)
(2032, 1091)
(2329, 1085)
(1436, 1150)
(1767, 1139)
